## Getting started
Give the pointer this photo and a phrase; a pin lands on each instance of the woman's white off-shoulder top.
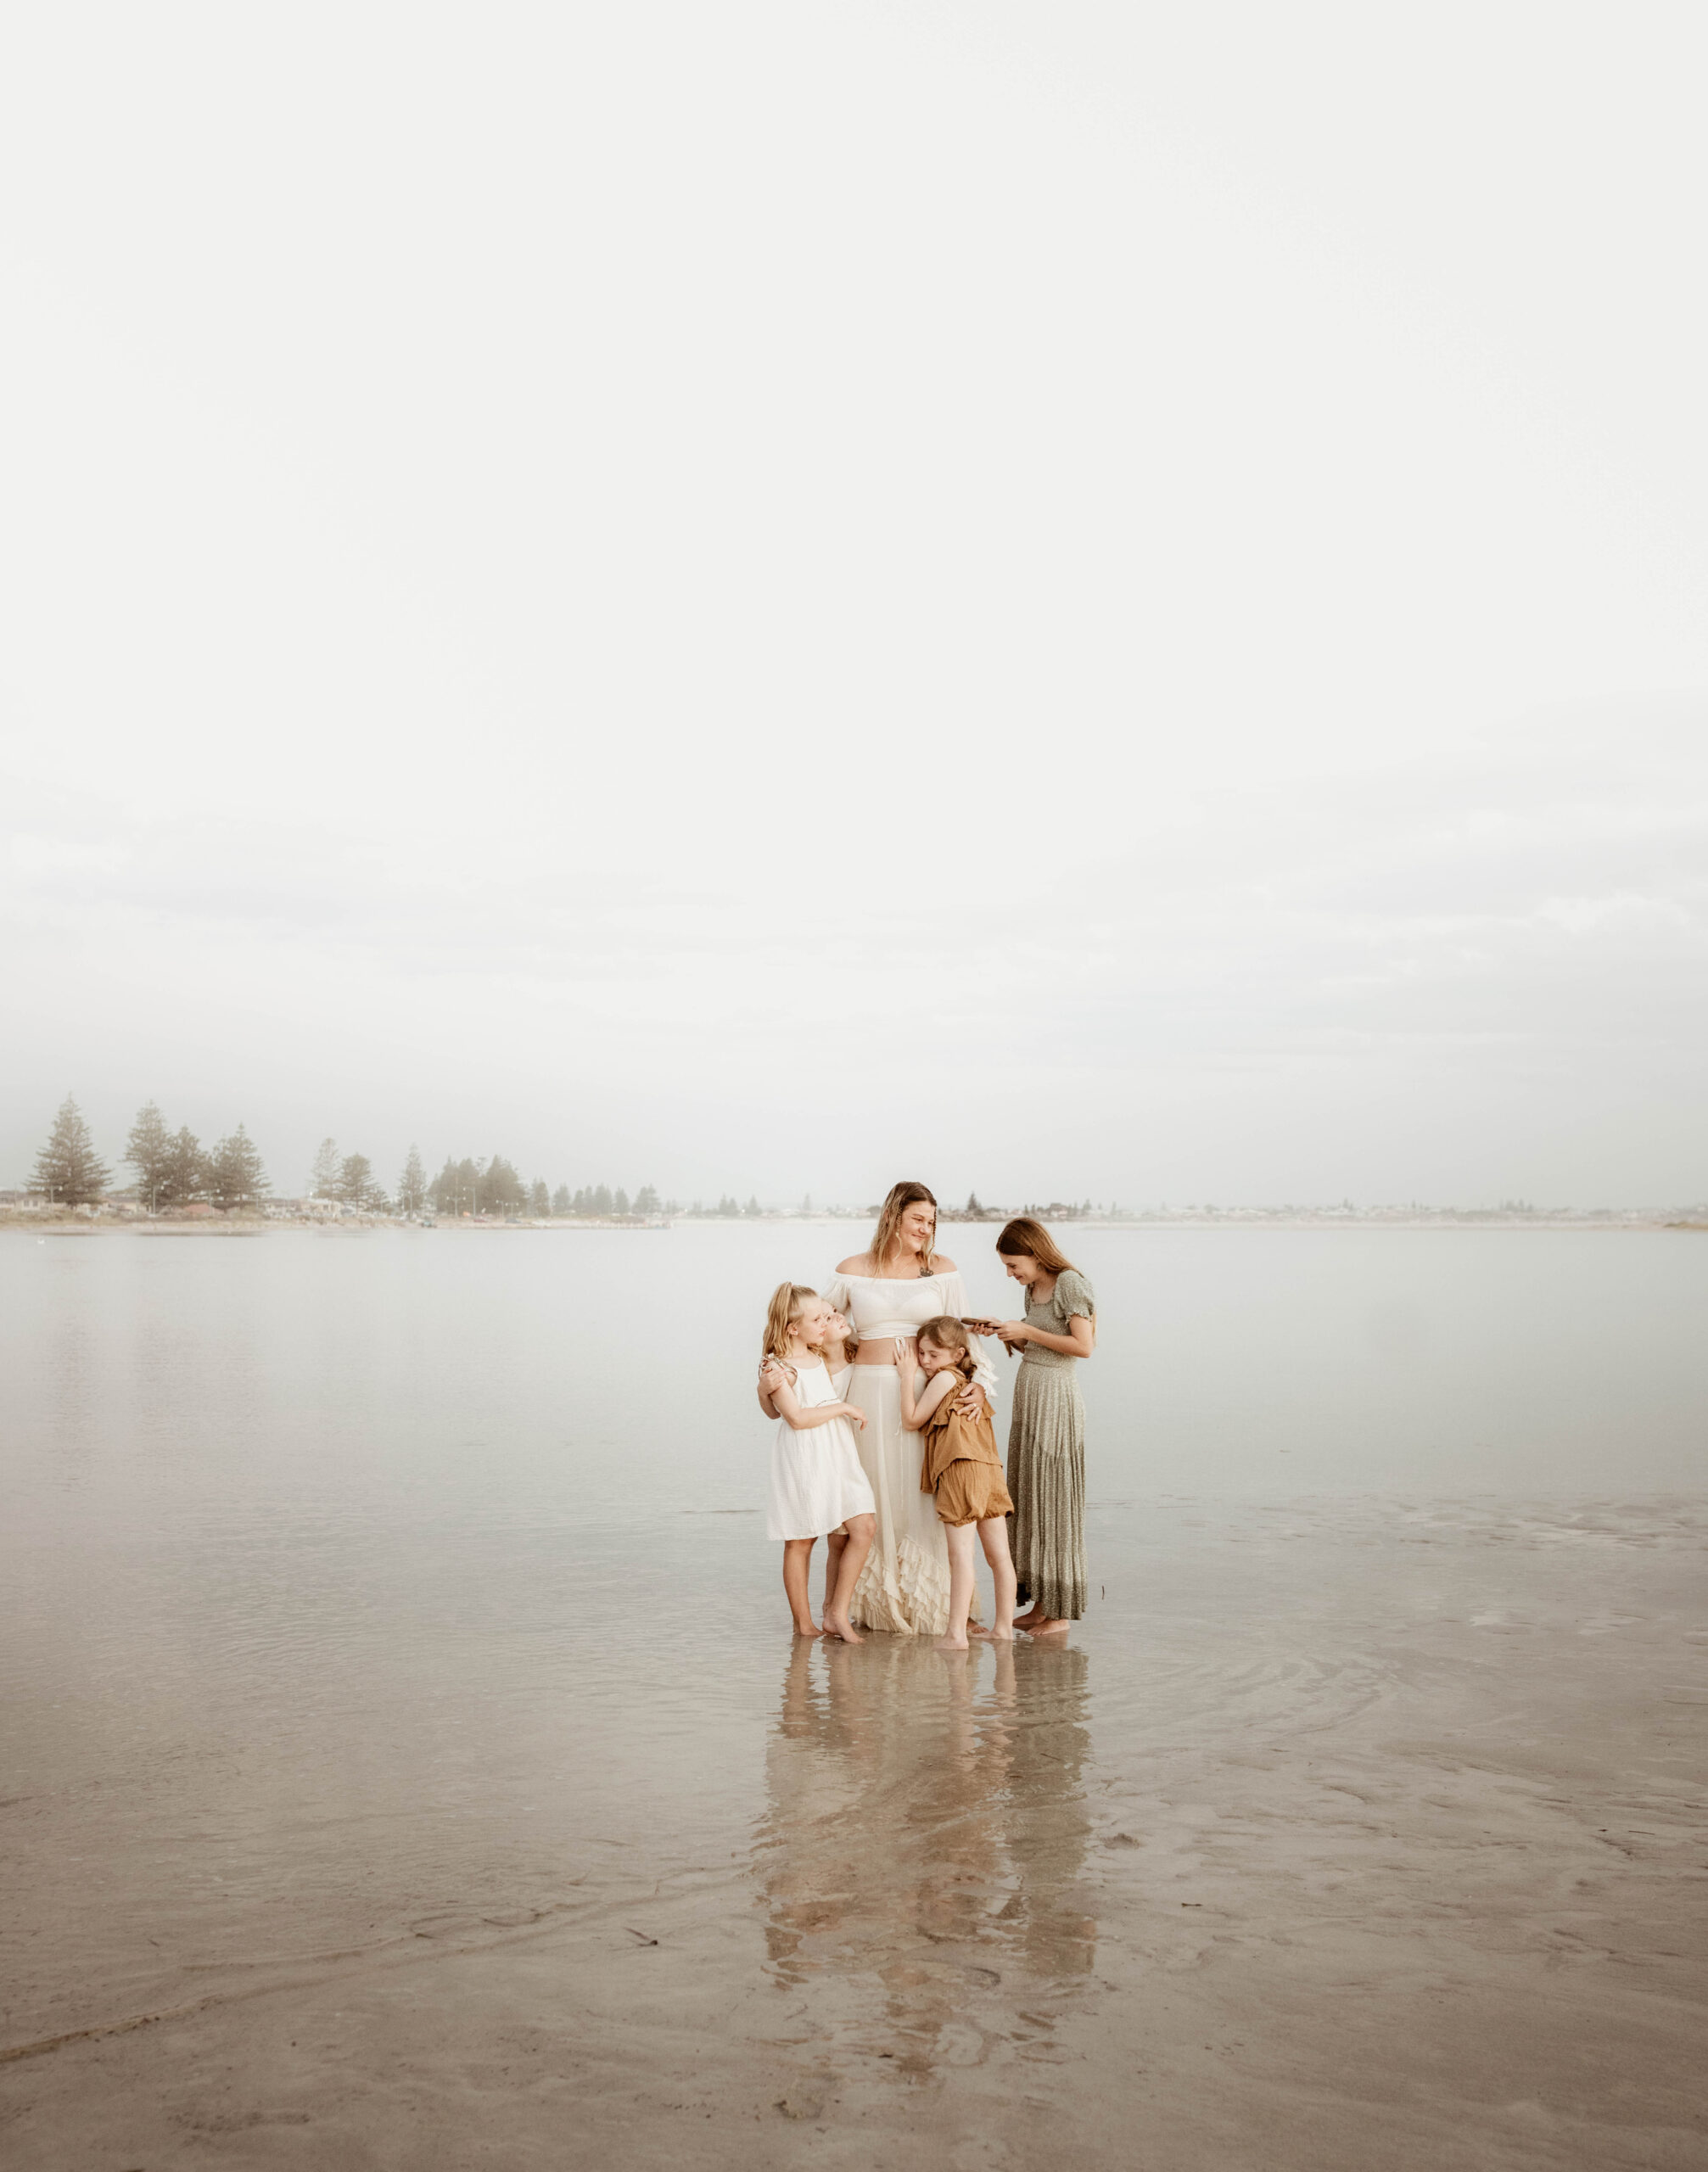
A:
(882, 1306)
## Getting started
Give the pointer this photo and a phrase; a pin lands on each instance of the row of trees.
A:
(495, 1187)
(349, 1178)
(600, 1199)
(173, 1167)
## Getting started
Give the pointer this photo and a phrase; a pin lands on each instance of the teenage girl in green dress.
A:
(1046, 1435)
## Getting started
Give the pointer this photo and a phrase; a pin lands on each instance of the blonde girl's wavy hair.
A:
(947, 1333)
(788, 1300)
(888, 1234)
(1025, 1239)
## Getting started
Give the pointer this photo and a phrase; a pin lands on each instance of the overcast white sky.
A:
(1074, 599)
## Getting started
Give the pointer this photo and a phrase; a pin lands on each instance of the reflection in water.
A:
(925, 1833)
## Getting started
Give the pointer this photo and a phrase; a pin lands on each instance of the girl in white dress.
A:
(817, 1485)
(838, 1356)
(889, 1293)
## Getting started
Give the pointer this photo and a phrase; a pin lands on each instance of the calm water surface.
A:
(361, 1594)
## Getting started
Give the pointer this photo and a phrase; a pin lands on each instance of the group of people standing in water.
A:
(885, 1447)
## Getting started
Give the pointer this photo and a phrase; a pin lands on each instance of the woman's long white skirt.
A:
(904, 1585)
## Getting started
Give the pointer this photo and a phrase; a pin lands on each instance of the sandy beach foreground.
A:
(1347, 1835)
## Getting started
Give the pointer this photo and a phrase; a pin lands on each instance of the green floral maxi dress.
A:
(1046, 1459)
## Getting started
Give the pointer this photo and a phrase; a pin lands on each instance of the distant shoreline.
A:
(253, 1225)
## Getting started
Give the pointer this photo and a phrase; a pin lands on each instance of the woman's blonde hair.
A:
(889, 1232)
(788, 1300)
(1025, 1239)
(948, 1333)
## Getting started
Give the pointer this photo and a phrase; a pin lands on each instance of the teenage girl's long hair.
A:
(901, 1197)
(1025, 1239)
(787, 1301)
(947, 1333)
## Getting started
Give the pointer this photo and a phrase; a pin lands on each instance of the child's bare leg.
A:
(993, 1536)
(960, 1577)
(862, 1530)
(833, 1560)
(798, 1554)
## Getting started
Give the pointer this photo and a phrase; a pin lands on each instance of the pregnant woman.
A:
(888, 1293)
(1046, 1435)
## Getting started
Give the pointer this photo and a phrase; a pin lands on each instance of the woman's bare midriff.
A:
(876, 1353)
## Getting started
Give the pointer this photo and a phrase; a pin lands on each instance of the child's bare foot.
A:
(999, 1635)
(808, 1628)
(843, 1628)
(951, 1645)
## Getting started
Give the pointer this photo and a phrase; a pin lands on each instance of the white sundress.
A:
(816, 1480)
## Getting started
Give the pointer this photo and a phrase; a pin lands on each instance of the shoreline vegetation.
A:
(180, 1185)
(114, 1215)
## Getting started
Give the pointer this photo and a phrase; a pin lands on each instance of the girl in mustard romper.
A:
(962, 1468)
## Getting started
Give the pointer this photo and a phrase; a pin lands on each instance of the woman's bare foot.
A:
(1044, 1626)
(951, 1645)
(836, 1626)
(808, 1628)
(1025, 1621)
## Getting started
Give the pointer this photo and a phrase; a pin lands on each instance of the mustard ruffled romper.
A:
(961, 1466)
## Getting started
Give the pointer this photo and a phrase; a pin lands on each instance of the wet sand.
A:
(1344, 1834)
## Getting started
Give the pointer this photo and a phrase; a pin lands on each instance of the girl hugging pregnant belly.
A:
(961, 1467)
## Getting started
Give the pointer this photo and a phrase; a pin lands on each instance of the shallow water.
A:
(389, 1652)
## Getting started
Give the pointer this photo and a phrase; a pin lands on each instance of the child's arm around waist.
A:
(789, 1409)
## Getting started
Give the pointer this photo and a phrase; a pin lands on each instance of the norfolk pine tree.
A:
(412, 1185)
(187, 1170)
(148, 1151)
(501, 1190)
(68, 1169)
(235, 1175)
(454, 1187)
(323, 1178)
(355, 1184)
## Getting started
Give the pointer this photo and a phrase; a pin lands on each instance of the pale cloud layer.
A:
(1092, 601)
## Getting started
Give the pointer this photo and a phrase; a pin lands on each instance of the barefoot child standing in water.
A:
(817, 1485)
(962, 1468)
(838, 1356)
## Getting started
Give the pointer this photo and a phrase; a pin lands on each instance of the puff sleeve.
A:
(1073, 1295)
